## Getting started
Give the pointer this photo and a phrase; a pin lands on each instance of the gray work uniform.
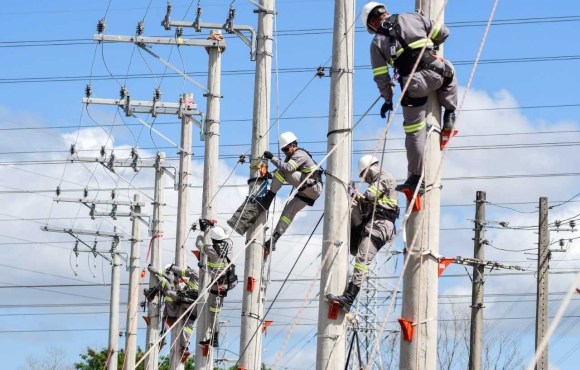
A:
(294, 170)
(165, 282)
(186, 283)
(378, 231)
(414, 30)
(216, 264)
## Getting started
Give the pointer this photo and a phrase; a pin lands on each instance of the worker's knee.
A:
(409, 101)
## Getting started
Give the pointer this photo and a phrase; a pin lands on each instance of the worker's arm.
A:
(297, 159)
(437, 31)
(380, 66)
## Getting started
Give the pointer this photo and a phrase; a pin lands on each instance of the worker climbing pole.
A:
(254, 292)
(400, 41)
(412, 44)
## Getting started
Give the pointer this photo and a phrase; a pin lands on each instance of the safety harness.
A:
(405, 57)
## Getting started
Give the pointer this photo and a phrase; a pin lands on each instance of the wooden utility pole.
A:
(420, 280)
(211, 133)
(183, 177)
(133, 295)
(476, 337)
(331, 342)
(254, 293)
(542, 287)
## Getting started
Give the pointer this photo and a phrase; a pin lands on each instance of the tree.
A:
(499, 351)
(52, 360)
(96, 360)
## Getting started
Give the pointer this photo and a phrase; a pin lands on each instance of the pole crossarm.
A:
(229, 27)
(81, 232)
(149, 107)
(486, 264)
(96, 201)
(74, 232)
(179, 41)
(111, 163)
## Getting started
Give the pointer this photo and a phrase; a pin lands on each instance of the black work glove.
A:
(268, 155)
(387, 106)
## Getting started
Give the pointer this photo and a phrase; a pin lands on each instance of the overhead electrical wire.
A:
(291, 70)
(308, 31)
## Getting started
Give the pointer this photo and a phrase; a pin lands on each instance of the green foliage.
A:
(164, 362)
(96, 360)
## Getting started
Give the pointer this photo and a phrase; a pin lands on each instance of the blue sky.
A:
(520, 118)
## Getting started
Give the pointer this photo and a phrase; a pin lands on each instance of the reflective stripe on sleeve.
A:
(361, 267)
(293, 163)
(382, 198)
(436, 30)
(214, 309)
(416, 45)
(279, 177)
(216, 265)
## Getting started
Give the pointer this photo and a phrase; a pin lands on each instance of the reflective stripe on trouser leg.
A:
(447, 95)
(214, 307)
(278, 180)
(365, 255)
(415, 141)
(187, 331)
(293, 206)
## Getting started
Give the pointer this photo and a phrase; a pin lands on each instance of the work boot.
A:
(448, 119)
(411, 184)
(215, 340)
(185, 354)
(347, 298)
(268, 242)
(266, 200)
(150, 293)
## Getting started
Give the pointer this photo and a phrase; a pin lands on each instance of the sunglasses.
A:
(376, 12)
(286, 148)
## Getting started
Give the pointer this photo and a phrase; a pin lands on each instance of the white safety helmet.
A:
(167, 267)
(366, 11)
(365, 162)
(217, 233)
(287, 138)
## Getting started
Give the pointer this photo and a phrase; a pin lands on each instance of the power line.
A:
(304, 31)
(290, 70)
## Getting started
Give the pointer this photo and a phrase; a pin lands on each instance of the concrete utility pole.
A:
(115, 262)
(114, 304)
(420, 282)
(542, 279)
(476, 337)
(153, 310)
(135, 162)
(210, 178)
(183, 225)
(331, 343)
(254, 294)
(133, 296)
